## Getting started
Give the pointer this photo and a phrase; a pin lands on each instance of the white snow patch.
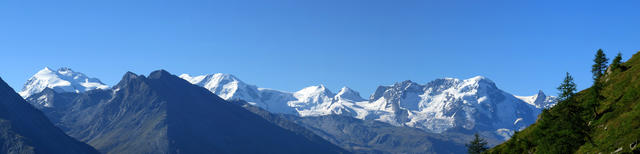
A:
(61, 80)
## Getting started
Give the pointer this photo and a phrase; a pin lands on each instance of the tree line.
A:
(566, 129)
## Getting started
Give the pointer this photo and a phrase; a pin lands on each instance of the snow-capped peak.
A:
(480, 81)
(478, 78)
(539, 100)
(313, 91)
(349, 94)
(226, 86)
(221, 77)
(62, 80)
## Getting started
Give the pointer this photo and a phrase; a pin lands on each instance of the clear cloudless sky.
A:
(523, 46)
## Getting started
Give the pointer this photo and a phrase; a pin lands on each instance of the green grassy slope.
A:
(616, 128)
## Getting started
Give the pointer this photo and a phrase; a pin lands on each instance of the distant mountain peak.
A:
(346, 89)
(539, 100)
(62, 80)
(47, 68)
(405, 83)
(478, 78)
(481, 80)
(218, 77)
(349, 94)
(445, 100)
(160, 74)
(317, 89)
(130, 74)
(129, 78)
(226, 76)
(224, 85)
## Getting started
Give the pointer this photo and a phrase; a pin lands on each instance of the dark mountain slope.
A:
(360, 136)
(165, 114)
(283, 122)
(572, 127)
(24, 129)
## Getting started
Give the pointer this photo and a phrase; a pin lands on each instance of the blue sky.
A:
(291, 44)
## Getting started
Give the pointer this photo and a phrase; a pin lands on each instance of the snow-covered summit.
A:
(473, 104)
(539, 100)
(314, 94)
(349, 94)
(61, 80)
(309, 101)
(226, 86)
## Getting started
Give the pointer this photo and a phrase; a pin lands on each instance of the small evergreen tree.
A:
(600, 65)
(615, 64)
(477, 145)
(567, 88)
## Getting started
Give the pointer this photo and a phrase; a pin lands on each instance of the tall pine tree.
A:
(598, 69)
(567, 88)
(477, 145)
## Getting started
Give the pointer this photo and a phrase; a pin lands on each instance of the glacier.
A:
(61, 80)
(474, 104)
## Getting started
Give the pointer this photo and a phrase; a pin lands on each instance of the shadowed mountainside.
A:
(24, 129)
(165, 114)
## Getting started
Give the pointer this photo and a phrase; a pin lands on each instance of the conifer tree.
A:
(567, 88)
(477, 145)
(598, 70)
(600, 64)
(615, 64)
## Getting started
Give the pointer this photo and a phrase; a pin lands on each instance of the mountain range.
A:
(162, 113)
(443, 107)
(471, 105)
(475, 104)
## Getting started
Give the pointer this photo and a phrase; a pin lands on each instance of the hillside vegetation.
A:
(572, 126)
